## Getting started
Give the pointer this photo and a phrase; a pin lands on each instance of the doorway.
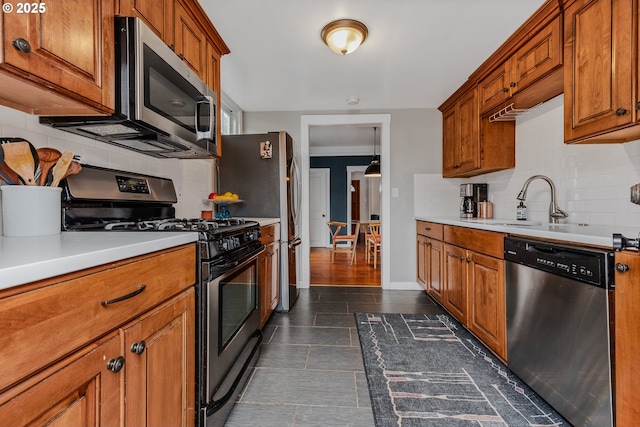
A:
(383, 122)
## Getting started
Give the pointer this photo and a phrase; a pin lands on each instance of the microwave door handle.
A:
(208, 100)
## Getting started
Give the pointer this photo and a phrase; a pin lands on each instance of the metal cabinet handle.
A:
(115, 365)
(271, 253)
(468, 259)
(505, 89)
(621, 268)
(22, 45)
(637, 105)
(512, 84)
(138, 347)
(621, 112)
(124, 297)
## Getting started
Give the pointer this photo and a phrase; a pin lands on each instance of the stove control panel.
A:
(132, 185)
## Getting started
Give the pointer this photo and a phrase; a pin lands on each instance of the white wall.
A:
(192, 178)
(592, 180)
(416, 147)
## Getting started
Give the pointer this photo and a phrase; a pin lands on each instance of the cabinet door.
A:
(598, 80)
(627, 338)
(537, 57)
(190, 42)
(455, 280)
(160, 367)
(487, 311)
(450, 143)
(421, 261)
(68, 47)
(157, 14)
(80, 391)
(469, 138)
(494, 89)
(434, 271)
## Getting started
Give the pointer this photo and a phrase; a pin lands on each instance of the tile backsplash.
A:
(192, 178)
(592, 180)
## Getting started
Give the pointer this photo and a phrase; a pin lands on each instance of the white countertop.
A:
(598, 235)
(27, 259)
(263, 221)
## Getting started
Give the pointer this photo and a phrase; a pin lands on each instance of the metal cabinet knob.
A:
(512, 84)
(621, 268)
(22, 45)
(621, 112)
(138, 347)
(505, 89)
(115, 365)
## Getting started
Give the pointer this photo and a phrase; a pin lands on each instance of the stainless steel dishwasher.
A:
(558, 336)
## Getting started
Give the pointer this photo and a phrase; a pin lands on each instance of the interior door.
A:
(319, 179)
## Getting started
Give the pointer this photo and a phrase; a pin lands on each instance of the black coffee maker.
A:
(470, 195)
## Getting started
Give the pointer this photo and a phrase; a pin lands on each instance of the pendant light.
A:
(373, 170)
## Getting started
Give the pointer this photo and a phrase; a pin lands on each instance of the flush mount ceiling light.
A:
(343, 36)
(373, 170)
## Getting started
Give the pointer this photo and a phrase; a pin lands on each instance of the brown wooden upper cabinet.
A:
(470, 144)
(539, 56)
(601, 73)
(526, 70)
(156, 14)
(60, 60)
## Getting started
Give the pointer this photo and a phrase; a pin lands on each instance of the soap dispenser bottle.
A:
(521, 211)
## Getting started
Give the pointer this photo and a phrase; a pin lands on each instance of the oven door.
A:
(232, 337)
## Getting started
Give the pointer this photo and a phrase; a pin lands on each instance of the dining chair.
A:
(372, 243)
(352, 239)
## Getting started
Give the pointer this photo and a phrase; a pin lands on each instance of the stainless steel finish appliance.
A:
(262, 168)
(470, 195)
(227, 313)
(558, 336)
(163, 109)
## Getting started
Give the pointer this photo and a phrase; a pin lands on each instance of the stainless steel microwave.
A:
(163, 109)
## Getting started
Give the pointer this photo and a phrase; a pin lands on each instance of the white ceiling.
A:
(418, 52)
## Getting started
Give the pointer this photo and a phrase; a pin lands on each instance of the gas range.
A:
(120, 201)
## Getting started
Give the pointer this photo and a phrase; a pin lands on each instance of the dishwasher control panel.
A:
(593, 266)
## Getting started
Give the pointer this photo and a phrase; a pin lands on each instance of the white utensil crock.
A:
(30, 210)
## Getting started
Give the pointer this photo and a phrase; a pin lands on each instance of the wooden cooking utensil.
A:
(74, 168)
(61, 167)
(48, 157)
(18, 156)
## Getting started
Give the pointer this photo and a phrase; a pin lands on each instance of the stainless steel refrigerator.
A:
(262, 170)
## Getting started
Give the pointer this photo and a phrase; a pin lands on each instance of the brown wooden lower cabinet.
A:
(79, 391)
(269, 272)
(462, 269)
(455, 282)
(487, 310)
(160, 365)
(627, 339)
(75, 355)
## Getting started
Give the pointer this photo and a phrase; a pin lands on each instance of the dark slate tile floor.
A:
(310, 371)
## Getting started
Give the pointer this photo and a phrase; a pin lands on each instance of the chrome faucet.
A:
(555, 213)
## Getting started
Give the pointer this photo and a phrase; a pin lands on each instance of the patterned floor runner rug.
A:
(427, 370)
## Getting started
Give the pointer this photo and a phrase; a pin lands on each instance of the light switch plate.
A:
(635, 194)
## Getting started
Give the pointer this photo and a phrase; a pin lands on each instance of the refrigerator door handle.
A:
(294, 182)
(295, 242)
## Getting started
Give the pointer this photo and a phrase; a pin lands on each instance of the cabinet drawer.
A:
(429, 229)
(41, 326)
(486, 242)
(270, 233)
